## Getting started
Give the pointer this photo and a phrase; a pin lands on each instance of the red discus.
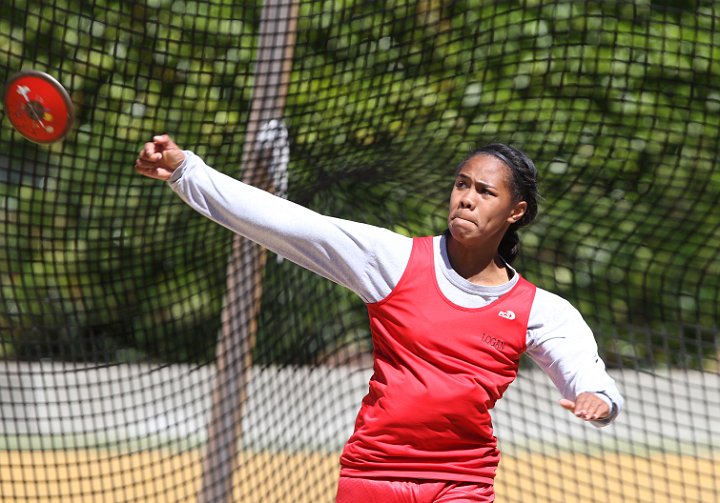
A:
(38, 106)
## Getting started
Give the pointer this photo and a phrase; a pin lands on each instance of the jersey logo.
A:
(510, 315)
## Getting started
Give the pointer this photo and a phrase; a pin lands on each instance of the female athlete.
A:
(449, 318)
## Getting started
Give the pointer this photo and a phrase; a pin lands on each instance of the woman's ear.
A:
(517, 212)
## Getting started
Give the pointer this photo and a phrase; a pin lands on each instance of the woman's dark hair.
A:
(524, 188)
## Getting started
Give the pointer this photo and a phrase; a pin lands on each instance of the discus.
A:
(38, 106)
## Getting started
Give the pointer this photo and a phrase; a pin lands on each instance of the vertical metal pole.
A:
(278, 27)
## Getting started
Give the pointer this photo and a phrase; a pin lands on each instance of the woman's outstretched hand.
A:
(159, 158)
(587, 406)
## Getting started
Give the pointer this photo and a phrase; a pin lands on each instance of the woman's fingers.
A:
(587, 406)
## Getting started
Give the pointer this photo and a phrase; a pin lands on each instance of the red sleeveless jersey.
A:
(439, 368)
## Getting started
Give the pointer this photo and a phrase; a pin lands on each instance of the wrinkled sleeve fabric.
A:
(366, 259)
(563, 345)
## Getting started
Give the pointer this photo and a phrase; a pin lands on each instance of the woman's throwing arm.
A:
(366, 259)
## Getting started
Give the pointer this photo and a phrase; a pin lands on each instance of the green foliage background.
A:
(617, 102)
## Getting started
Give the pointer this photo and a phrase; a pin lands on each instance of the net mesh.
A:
(113, 292)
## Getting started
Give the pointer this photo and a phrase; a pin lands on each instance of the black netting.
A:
(114, 295)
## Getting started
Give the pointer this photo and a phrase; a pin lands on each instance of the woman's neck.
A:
(478, 266)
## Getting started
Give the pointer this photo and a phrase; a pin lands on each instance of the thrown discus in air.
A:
(38, 106)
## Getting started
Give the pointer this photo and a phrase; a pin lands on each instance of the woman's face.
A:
(481, 202)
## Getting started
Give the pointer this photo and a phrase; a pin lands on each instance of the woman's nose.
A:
(466, 201)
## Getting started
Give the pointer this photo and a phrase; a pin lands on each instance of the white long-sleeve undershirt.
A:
(370, 260)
